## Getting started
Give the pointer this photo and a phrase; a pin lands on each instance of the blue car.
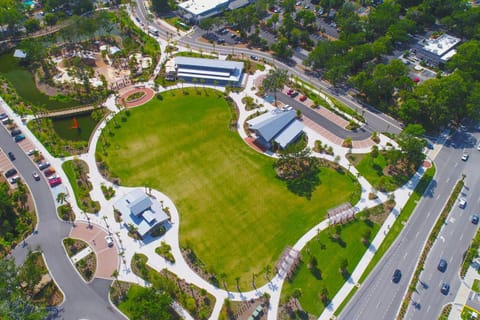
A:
(19, 138)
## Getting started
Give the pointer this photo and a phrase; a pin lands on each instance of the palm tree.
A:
(267, 270)
(194, 81)
(62, 197)
(223, 277)
(274, 81)
(237, 279)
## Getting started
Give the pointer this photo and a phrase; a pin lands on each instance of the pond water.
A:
(65, 127)
(23, 82)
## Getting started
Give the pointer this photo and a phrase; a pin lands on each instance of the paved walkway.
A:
(148, 95)
(107, 257)
(128, 247)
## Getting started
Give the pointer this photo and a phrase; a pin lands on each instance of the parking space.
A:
(107, 257)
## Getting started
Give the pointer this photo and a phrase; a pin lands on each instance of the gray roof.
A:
(291, 132)
(272, 126)
(131, 205)
(209, 63)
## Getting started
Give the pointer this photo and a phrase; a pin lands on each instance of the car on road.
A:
(136, 18)
(54, 182)
(293, 95)
(445, 288)
(10, 173)
(254, 57)
(442, 265)
(14, 179)
(397, 275)
(474, 219)
(303, 98)
(464, 156)
(462, 203)
(11, 156)
(3, 115)
(287, 107)
(109, 241)
(478, 147)
(43, 165)
(19, 138)
(35, 176)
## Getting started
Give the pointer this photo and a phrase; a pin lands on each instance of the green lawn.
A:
(372, 170)
(235, 214)
(329, 254)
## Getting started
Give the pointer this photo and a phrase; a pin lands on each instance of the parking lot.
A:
(6, 163)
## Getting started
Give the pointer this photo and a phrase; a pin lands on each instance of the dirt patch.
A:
(45, 88)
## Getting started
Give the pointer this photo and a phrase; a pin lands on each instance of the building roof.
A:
(290, 133)
(199, 7)
(138, 209)
(19, 54)
(272, 126)
(235, 4)
(440, 45)
(182, 62)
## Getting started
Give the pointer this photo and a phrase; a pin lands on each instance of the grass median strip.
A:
(396, 228)
(431, 240)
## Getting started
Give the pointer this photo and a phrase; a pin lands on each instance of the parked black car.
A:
(10, 173)
(11, 156)
(15, 132)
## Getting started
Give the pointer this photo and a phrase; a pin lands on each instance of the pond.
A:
(74, 128)
(22, 80)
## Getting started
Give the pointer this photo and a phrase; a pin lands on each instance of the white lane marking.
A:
(416, 236)
(442, 238)
(450, 260)
(428, 309)
(405, 255)
(448, 179)
(455, 165)
(438, 197)
(461, 236)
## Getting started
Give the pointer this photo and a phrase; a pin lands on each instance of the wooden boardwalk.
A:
(66, 112)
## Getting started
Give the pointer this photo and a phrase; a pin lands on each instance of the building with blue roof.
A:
(277, 127)
(138, 210)
(212, 71)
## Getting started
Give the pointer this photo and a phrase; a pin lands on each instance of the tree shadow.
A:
(304, 186)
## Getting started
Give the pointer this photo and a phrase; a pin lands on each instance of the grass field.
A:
(372, 169)
(329, 253)
(235, 214)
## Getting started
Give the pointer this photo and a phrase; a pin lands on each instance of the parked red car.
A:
(303, 98)
(55, 182)
(290, 91)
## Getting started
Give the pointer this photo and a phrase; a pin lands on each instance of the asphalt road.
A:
(380, 298)
(359, 134)
(453, 240)
(376, 121)
(82, 301)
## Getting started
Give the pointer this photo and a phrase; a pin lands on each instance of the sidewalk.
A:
(128, 247)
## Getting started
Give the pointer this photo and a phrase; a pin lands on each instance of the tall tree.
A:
(275, 81)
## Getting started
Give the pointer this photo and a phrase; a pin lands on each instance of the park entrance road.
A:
(82, 301)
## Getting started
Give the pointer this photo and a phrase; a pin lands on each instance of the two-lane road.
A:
(380, 298)
(82, 301)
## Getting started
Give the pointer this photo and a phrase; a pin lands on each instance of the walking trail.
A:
(128, 246)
